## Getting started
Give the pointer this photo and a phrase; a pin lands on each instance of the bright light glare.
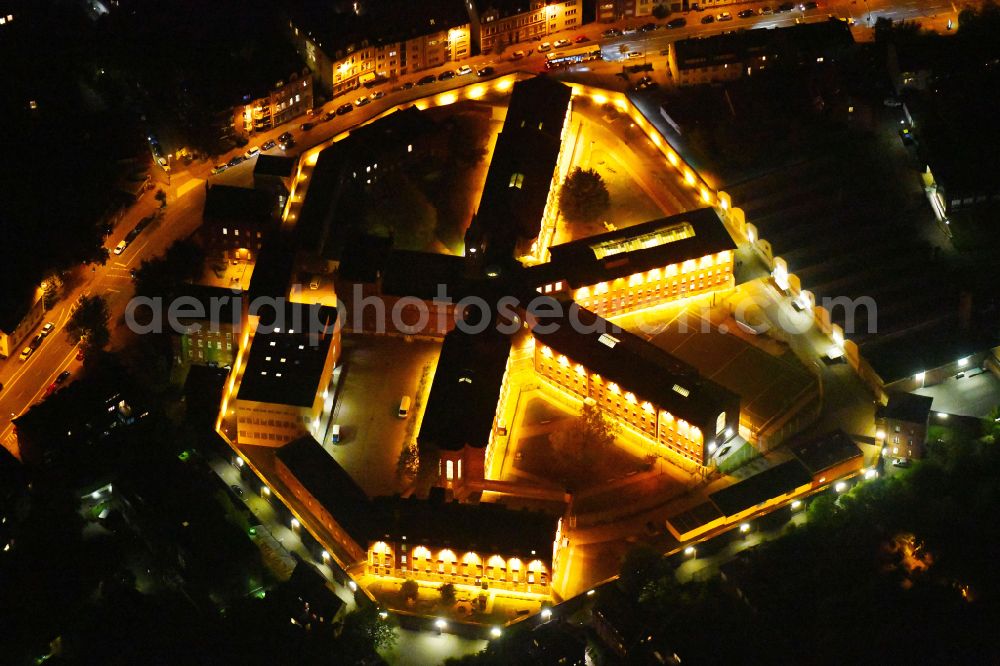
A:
(354, 586)
(796, 504)
(962, 362)
(871, 474)
(689, 551)
(495, 632)
(744, 528)
(440, 624)
(840, 487)
(546, 614)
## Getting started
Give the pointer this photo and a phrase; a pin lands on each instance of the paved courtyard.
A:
(376, 372)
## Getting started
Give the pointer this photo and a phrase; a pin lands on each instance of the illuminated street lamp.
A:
(840, 487)
(352, 585)
(546, 614)
(744, 528)
(796, 505)
(440, 624)
(690, 551)
(495, 632)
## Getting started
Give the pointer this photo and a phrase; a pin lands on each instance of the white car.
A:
(253, 150)
(463, 70)
(26, 353)
(562, 43)
(120, 247)
(517, 55)
(545, 46)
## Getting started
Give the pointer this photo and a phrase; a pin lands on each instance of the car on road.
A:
(268, 145)
(464, 70)
(747, 13)
(251, 151)
(561, 43)
(517, 55)
(786, 7)
(424, 80)
(378, 94)
(579, 39)
(629, 31)
(708, 18)
(284, 136)
(286, 143)
(48, 328)
(51, 389)
(906, 134)
(63, 376)
(677, 22)
(239, 159)
(344, 108)
(237, 490)
(26, 353)
(219, 168)
(611, 32)
(485, 71)
(79, 355)
(544, 46)
(361, 101)
(407, 85)
(120, 247)
(724, 16)
(765, 10)
(445, 75)
(36, 341)
(644, 83)
(305, 127)
(648, 27)
(632, 55)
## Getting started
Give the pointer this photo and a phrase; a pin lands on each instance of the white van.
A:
(404, 407)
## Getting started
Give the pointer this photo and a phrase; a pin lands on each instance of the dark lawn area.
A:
(539, 458)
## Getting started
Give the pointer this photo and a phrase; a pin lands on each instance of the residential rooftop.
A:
(908, 407)
(274, 165)
(759, 488)
(224, 203)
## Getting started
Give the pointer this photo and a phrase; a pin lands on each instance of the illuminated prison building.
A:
(637, 384)
(429, 540)
(642, 266)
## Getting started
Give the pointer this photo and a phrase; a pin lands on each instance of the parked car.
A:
(648, 27)
(907, 136)
(79, 355)
(26, 353)
(561, 43)
(268, 145)
(747, 13)
(765, 10)
(48, 328)
(251, 151)
(305, 127)
(423, 81)
(611, 32)
(344, 108)
(632, 55)
(219, 168)
(445, 75)
(286, 143)
(330, 115)
(629, 31)
(120, 247)
(724, 16)
(237, 490)
(63, 376)
(544, 46)
(464, 70)
(361, 101)
(579, 39)
(239, 159)
(485, 71)
(284, 136)
(677, 22)
(51, 389)
(517, 55)
(708, 18)
(378, 94)
(407, 85)
(36, 341)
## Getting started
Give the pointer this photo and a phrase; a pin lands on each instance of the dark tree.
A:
(661, 11)
(584, 196)
(447, 593)
(90, 323)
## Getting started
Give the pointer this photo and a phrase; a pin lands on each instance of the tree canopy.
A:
(584, 196)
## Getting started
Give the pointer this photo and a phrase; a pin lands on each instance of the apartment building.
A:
(347, 45)
(262, 110)
(497, 24)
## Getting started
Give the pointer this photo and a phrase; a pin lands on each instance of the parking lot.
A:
(375, 373)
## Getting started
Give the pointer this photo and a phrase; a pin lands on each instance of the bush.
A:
(447, 593)
(410, 589)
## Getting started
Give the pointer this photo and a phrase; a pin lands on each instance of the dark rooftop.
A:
(365, 257)
(490, 527)
(338, 29)
(637, 365)
(622, 252)
(272, 272)
(225, 202)
(762, 487)
(410, 273)
(521, 170)
(695, 517)
(826, 451)
(908, 407)
(225, 305)
(286, 368)
(469, 373)
(330, 484)
(19, 296)
(274, 165)
(791, 43)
